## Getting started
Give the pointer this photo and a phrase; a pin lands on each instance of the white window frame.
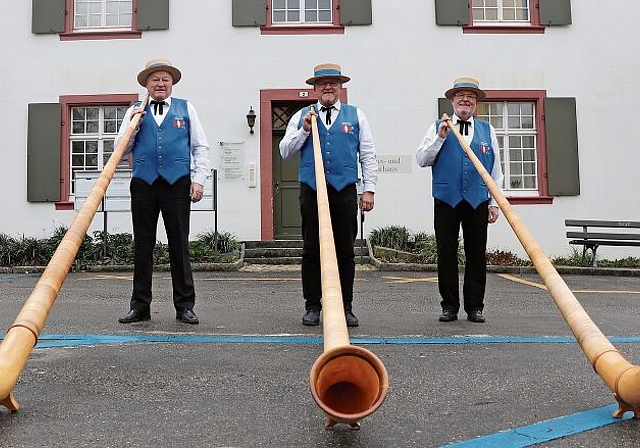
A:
(302, 10)
(512, 158)
(101, 137)
(501, 6)
(124, 10)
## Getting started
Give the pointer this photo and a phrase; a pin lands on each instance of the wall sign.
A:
(231, 160)
(395, 164)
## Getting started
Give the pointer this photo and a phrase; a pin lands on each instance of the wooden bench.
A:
(591, 240)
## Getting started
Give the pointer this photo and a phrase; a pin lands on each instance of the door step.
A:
(289, 252)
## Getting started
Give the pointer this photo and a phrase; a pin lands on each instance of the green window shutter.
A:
(248, 13)
(47, 16)
(355, 12)
(445, 107)
(561, 127)
(452, 12)
(153, 15)
(555, 12)
(43, 152)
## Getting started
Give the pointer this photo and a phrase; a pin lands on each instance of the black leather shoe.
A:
(475, 316)
(311, 318)
(135, 316)
(448, 316)
(187, 316)
(352, 321)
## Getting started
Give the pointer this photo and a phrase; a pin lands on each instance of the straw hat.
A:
(327, 71)
(468, 84)
(155, 65)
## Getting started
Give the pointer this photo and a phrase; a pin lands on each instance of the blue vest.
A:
(340, 146)
(163, 150)
(454, 176)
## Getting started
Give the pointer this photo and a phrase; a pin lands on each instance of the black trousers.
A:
(147, 202)
(343, 207)
(474, 223)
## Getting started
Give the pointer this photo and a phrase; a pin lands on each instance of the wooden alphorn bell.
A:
(622, 377)
(347, 382)
(23, 335)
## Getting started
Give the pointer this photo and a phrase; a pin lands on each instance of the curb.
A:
(563, 270)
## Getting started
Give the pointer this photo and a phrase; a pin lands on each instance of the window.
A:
(93, 130)
(98, 19)
(500, 12)
(301, 12)
(527, 145)
(102, 14)
(303, 17)
(90, 124)
(300, 16)
(101, 19)
(515, 126)
(503, 16)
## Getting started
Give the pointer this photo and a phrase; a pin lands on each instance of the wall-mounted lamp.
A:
(251, 119)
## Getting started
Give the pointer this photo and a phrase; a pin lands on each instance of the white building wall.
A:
(399, 66)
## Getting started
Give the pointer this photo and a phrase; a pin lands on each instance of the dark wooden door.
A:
(286, 188)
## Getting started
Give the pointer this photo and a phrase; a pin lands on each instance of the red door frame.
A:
(267, 98)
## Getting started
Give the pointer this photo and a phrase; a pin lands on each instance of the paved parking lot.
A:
(240, 378)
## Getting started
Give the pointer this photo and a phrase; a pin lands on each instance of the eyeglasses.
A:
(468, 96)
(332, 83)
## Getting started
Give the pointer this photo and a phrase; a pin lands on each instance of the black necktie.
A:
(464, 127)
(328, 110)
(155, 106)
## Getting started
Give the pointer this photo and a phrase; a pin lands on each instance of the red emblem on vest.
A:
(178, 123)
(346, 128)
(484, 148)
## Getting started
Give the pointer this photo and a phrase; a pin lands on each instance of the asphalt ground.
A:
(240, 377)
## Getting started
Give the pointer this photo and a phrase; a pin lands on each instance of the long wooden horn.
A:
(622, 377)
(347, 382)
(23, 335)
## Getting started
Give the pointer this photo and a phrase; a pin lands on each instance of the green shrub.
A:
(428, 247)
(7, 247)
(627, 262)
(393, 237)
(400, 238)
(501, 258)
(424, 246)
(574, 259)
(119, 247)
(160, 253)
(49, 245)
(209, 247)
(219, 242)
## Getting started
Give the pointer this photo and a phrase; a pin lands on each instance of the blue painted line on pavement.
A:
(546, 430)
(73, 340)
(70, 340)
(7, 277)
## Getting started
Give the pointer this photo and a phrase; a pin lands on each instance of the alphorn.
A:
(23, 335)
(622, 377)
(347, 382)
